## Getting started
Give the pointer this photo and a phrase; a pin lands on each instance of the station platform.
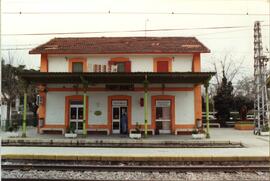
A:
(254, 148)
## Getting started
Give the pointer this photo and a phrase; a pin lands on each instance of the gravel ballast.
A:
(94, 175)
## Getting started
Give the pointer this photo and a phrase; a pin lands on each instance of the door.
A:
(119, 117)
(76, 116)
(163, 116)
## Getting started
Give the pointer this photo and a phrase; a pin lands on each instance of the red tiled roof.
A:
(112, 45)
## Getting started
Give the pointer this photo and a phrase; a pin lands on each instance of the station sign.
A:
(120, 103)
(163, 103)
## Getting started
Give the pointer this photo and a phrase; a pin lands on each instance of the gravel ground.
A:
(239, 176)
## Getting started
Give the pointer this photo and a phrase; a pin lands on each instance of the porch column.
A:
(206, 85)
(145, 106)
(84, 110)
(24, 110)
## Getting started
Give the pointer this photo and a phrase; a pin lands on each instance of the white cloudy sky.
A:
(238, 42)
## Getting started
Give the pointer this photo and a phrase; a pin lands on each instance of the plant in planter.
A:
(244, 125)
(70, 132)
(265, 130)
(137, 133)
(12, 131)
(198, 134)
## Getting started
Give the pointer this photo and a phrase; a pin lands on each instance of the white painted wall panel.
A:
(57, 64)
(55, 108)
(182, 63)
(184, 107)
(97, 102)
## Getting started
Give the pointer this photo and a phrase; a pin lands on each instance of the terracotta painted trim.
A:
(42, 107)
(54, 126)
(67, 107)
(127, 53)
(153, 108)
(197, 103)
(136, 89)
(157, 59)
(165, 89)
(179, 126)
(44, 63)
(77, 60)
(119, 97)
(119, 59)
(196, 63)
(99, 126)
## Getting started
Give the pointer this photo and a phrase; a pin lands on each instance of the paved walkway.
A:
(254, 146)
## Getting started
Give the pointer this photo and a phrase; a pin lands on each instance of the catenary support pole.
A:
(145, 106)
(207, 109)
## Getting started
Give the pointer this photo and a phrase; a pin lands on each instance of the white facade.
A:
(139, 63)
(98, 101)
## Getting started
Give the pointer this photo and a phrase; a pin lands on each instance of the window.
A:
(77, 67)
(123, 64)
(163, 64)
(163, 108)
(120, 66)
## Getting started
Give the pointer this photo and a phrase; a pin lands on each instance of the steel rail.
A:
(144, 168)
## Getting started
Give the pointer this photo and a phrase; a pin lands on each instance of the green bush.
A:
(72, 129)
(265, 128)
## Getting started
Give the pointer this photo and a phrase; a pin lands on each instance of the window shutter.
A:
(128, 66)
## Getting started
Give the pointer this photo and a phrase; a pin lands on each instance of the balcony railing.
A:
(104, 68)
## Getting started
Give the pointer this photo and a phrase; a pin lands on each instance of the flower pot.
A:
(264, 133)
(135, 135)
(198, 136)
(70, 135)
(12, 134)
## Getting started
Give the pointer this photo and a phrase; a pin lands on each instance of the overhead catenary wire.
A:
(127, 31)
(130, 13)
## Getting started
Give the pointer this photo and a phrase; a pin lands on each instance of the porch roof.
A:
(116, 77)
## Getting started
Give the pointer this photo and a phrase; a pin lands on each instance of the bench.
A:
(142, 130)
(99, 129)
(183, 130)
(212, 125)
(52, 129)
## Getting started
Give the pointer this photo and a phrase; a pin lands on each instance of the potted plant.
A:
(70, 132)
(198, 134)
(265, 130)
(137, 133)
(13, 130)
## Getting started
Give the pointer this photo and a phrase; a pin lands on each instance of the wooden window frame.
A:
(163, 59)
(121, 60)
(77, 60)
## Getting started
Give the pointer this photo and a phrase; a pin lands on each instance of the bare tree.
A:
(226, 66)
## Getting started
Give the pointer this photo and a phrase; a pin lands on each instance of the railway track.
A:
(141, 168)
(65, 167)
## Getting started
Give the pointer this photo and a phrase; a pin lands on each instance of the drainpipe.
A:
(206, 85)
(24, 111)
(145, 105)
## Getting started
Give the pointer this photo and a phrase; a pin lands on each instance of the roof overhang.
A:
(116, 77)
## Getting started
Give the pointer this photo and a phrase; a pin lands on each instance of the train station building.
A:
(117, 84)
